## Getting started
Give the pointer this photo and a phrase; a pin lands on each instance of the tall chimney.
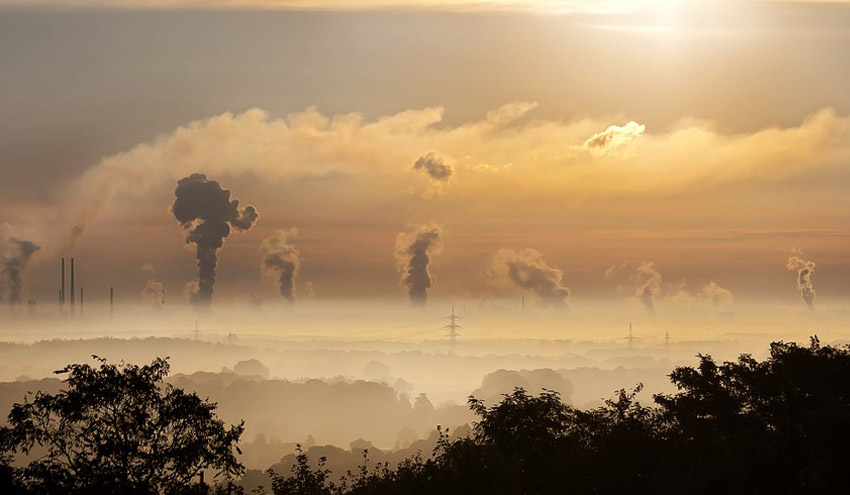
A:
(111, 301)
(81, 302)
(62, 292)
(72, 286)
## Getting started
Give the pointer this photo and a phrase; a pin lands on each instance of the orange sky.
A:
(709, 140)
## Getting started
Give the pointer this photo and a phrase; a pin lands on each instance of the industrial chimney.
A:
(62, 292)
(111, 301)
(81, 302)
(72, 286)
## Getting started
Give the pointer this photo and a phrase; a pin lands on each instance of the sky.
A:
(567, 151)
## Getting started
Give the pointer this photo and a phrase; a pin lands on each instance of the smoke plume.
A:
(206, 213)
(528, 270)
(438, 167)
(154, 292)
(281, 262)
(309, 290)
(15, 256)
(716, 294)
(647, 283)
(804, 270)
(413, 252)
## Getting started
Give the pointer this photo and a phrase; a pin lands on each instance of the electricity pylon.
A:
(453, 328)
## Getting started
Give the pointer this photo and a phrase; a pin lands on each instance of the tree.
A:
(116, 428)
(764, 426)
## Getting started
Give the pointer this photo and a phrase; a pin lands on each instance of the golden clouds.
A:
(546, 158)
(614, 136)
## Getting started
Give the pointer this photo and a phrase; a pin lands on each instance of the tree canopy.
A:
(116, 428)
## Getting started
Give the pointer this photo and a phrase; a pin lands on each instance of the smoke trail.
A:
(804, 269)
(647, 282)
(413, 251)
(281, 262)
(154, 291)
(716, 294)
(527, 269)
(207, 213)
(16, 255)
(309, 291)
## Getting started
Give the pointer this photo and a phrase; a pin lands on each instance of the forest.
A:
(777, 425)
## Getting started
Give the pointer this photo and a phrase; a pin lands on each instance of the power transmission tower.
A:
(453, 328)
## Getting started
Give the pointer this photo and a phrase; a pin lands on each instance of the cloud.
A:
(614, 136)
(413, 252)
(528, 270)
(439, 168)
(281, 262)
(549, 159)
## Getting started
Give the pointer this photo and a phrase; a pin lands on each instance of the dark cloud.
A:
(413, 252)
(15, 256)
(281, 262)
(528, 270)
(438, 167)
(207, 213)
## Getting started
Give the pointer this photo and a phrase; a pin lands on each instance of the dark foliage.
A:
(116, 429)
(777, 426)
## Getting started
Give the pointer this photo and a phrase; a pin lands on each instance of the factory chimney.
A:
(111, 301)
(72, 286)
(62, 292)
(81, 302)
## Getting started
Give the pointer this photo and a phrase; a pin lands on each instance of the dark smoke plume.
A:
(438, 167)
(804, 270)
(16, 255)
(281, 262)
(413, 252)
(527, 269)
(207, 213)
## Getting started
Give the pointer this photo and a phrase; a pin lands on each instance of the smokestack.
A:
(81, 302)
(111, 302)
(72, 286)
(163, 296)
(62, 292)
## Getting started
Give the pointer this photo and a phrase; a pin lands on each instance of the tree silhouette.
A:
(116, 428)
(777, 426)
